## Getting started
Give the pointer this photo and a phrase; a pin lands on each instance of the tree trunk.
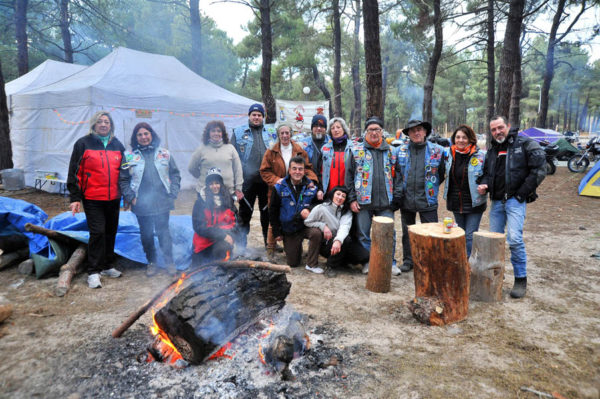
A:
(320, 82)
(217, 306)
(64, 30)
(21, 36)
(487, 266)
(434, 59)
(384, 78)
(372, 59)
(337, 60)
(584, 112)
(380, 261)
(67, 271)
(491, 66)
(565, 111)
(356, 118)
(441, 272)
(515, 100)
(267, 59)
(196, 36)
(510, 56)
(5, 144)
(570, 111)
(576, 120)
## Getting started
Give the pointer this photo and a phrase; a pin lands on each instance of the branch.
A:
(583, 9)
(530, 13)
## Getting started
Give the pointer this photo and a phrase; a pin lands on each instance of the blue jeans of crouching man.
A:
(511, 214)
(469, 222)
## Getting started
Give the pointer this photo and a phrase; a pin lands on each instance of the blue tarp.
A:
(539, 134)
(15, 213)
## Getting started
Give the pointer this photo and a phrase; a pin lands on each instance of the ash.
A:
(116, 368)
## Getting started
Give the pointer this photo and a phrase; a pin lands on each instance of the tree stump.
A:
(487, 266)
(380, 260)
(441, 272)
(218, 305)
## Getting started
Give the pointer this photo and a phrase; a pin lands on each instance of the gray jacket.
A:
(328, 214)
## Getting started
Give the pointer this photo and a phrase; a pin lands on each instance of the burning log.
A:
(11, 258)
(380, 260)
(237, 263)
(55, 235)
(441, 271)
(218, 305)
(487, 266)
(67, 271)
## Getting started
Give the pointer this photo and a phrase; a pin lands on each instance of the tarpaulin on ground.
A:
(14, 214)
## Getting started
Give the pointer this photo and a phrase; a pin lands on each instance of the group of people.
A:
(324, 186)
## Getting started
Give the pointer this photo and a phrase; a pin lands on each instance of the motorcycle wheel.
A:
(578, 164)
(550, 168)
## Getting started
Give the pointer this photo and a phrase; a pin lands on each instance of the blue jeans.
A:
(469, 222)
(512, 215)
(363, 227)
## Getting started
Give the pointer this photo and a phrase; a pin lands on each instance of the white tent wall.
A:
(44, 139)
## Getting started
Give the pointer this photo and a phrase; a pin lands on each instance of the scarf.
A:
(374, 144)
(470, 150)
(341, 139)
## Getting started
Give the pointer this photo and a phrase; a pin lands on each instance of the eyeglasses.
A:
(376, 130)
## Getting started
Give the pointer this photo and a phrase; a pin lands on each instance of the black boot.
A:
(406, 266)
(519, 288)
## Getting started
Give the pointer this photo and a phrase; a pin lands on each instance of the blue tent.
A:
(539, 134)
(590, 184)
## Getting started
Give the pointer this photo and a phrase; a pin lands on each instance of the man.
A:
(513, 169)
(290, 204)
(421, 165)
(372, 183)
(251, 141)
(313, 145)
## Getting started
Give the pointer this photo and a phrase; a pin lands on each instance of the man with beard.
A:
(313, 145)
(513, 169)
(251, 141)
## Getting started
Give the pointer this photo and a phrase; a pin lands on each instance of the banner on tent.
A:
(300, 113)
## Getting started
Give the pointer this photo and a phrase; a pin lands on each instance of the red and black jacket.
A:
(211, 224)
(94, 170)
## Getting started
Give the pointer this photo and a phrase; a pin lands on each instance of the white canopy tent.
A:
(133, 86)
(44, 74)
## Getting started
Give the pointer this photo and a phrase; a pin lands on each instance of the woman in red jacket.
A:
(94, 181)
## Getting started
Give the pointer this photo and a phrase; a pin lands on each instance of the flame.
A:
(227, 256)
(223, 352)
(261, 355)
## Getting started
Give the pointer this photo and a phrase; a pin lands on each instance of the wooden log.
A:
(441, 270)
(5, 311)
(118, 332)
(381, 256)
(26, 267)
(12, 258)
(55, 235)
(487, 266)
(217, 306)
(67, 271)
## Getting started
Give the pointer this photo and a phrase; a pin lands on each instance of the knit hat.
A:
(414, 123)
(257, 107)
(374, 120)
(214, 174)
(318, 120)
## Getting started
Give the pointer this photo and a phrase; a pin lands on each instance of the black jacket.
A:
(525, 167)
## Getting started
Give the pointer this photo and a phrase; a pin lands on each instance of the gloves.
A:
(519, 198)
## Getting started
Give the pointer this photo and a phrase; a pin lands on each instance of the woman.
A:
(331, 221)
(216, 152)
(335, 153)
(150, 183)
(464, 164)
(275, 164)
(214, 220)
(93, 179)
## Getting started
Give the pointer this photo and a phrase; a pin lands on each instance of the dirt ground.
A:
(548, 341)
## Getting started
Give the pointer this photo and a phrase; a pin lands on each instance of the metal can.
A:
(448, 224)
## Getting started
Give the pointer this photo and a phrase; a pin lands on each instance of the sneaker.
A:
(330, 272)
(114, 273)
(406, 266)
(365, 269)
(396, 270)
(315, 269)
(151, 269)
(94, 281)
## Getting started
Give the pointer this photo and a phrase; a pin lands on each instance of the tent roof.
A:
(44, 74)
(539, 134)
(129, 78)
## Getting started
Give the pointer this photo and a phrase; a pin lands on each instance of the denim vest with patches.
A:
(328, 151)
(434, 156)
(474, 170)
(290, 207)
(136, 163)
(306, 141)
(363, 172)
(244, 139)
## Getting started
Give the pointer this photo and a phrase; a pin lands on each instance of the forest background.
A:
(531, 60)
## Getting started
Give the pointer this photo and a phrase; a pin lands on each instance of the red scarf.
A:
(470, 150)
(374, 144)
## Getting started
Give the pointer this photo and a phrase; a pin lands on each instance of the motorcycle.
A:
(579, 163)
(551, 151)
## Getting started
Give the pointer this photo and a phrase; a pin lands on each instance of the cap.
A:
(257, 107)
(414, 123)
(374, 119)
(318, 120)
(214, 174)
